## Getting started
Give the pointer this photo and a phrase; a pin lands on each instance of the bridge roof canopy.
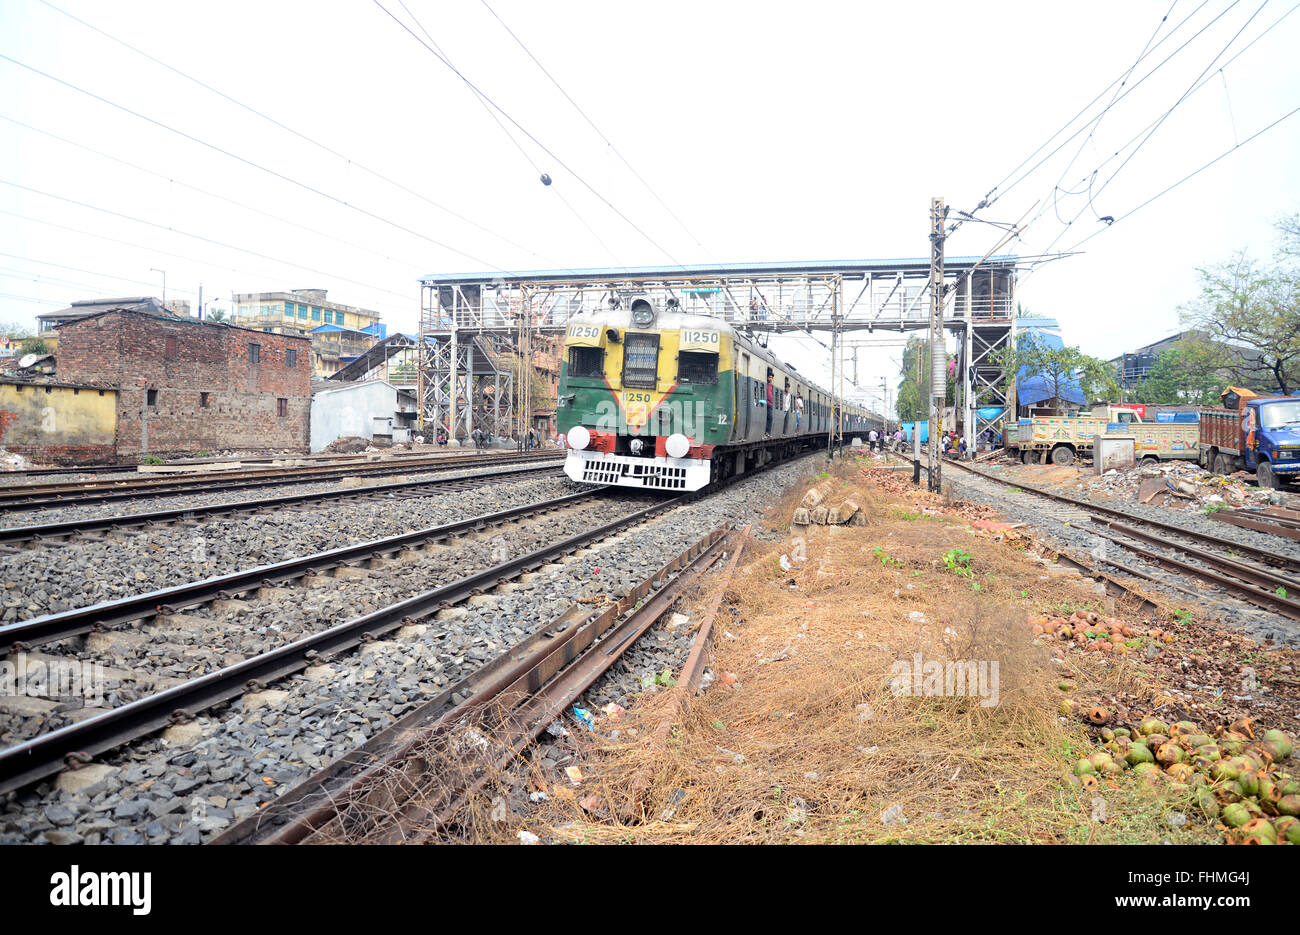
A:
(849, 269)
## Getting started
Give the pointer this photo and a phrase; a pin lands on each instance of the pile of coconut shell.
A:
(1091, 631)
(1246, 782)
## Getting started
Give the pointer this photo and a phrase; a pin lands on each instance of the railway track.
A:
(347, 647)
(13, 537)
(1267, 580)
(412, 779)
(45, 754)
(45, 496)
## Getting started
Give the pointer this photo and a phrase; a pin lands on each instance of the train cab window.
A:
(586, 362)
(697, 367)
(641, 360)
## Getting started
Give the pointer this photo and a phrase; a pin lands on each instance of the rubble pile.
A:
(1181, 485)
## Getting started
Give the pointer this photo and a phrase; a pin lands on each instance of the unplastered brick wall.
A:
(187, 385)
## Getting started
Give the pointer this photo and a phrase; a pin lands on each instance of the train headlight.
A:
(677, 445)
(637, 445)
(579, 437)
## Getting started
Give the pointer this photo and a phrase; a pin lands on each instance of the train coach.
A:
(657, 398)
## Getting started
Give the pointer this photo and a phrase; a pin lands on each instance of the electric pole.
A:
(938, 357)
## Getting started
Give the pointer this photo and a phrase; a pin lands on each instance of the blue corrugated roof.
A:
(706, 270)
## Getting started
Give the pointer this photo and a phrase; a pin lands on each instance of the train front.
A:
(645, 396)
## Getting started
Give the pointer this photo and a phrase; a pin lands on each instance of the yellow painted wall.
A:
(56, 416)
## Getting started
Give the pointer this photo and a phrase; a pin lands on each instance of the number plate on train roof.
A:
(583, 334)
(696, 337)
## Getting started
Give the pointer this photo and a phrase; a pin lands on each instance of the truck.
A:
(1062, 439)
(1253, 433)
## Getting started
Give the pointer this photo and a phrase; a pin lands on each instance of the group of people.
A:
(790, 404)
(954, 447)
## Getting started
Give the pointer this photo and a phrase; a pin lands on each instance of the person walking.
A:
(871, 440)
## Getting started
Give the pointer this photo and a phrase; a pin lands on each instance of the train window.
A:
(586, 362)
(697, 367)
(641, 360)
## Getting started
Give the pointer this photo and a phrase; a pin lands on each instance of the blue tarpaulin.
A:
(1035, 387)
(925, 431)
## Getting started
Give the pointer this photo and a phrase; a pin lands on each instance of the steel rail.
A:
(47, 754)
(1247, 582)
(512, 698)
(34, 497)
(79, 621)
(11, 534)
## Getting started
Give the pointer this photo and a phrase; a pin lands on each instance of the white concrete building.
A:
(372, 409)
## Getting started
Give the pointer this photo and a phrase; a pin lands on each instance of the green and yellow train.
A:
(656, 398)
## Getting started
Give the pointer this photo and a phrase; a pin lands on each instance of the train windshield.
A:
(697, 367)
(641, 360)
(1276, 415)
(586, 362)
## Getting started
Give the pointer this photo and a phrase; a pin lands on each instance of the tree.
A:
(35, 346)
(1191, 372)
(216, 314)
(1255, 309)
(1060, 367)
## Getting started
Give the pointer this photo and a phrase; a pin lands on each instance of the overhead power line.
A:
(540, 145)
(298, 133)
(208, 194)
(248, 162)
(199, 237)
(154, 250)
(92, 272)
(591, 123)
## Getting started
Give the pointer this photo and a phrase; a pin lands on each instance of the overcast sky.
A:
(770, 131)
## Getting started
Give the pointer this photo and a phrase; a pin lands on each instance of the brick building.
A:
(186, 385)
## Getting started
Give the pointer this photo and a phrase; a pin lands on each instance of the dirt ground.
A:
(890, 687)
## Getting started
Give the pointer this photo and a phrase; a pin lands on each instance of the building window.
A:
(315, 314)
(282, 407)
(151, 397)
(169, 348)
(203, 400)
(291, 358)
(254, 353)
(302, 311)
(290, 309)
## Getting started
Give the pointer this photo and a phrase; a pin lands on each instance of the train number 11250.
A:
(699, 337)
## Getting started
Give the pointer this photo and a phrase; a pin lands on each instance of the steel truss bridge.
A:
(473, 325)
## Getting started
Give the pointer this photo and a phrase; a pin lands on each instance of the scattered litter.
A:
(574, 774)
(538, 797)
(785, 563)
(584, 716)
(556, 729)
(613, 711)
(527, 837)
(893, 816)
(499, 811)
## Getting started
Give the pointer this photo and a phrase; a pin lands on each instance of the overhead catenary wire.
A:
(199, 237)
(997, 191)
(299, 134)
(91, 272)
(1088, 180)
(206, 193)
(152, 250)
(591, 123)
(1196, 83)
(542, 146)
(519, 146)
(246, 161)
(1186, 178)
